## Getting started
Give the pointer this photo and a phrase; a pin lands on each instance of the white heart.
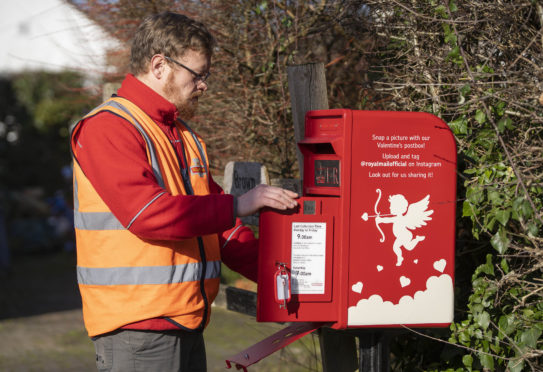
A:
(357, 287)
(404, 281)
(440, 265)
(379, 267)
(416, 261)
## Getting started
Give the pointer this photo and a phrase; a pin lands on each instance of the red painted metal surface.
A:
(271, 344)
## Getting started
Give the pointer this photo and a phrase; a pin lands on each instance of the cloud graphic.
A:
(435, 305)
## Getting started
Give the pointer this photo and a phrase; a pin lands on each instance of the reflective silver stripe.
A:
(93, 220)
(76, 195)
(142, 209)
(231, 235)
(147, 274)
(101, 220)
(96, 221)
(213, 269)
(104, 220)
(150, 146)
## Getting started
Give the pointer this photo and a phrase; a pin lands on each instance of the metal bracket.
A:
(271, 344)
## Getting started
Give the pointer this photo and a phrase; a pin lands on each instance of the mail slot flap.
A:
(321, 145)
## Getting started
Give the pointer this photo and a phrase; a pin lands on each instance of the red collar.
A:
(152, 103)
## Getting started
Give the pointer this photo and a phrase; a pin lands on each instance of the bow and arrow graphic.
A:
(377, 214)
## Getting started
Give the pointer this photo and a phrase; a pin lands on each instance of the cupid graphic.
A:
(416, 216)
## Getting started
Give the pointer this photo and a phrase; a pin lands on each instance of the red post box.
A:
(372, 242)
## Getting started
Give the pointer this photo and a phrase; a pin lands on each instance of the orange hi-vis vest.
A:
(125, 279)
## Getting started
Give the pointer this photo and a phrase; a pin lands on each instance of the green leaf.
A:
(465, 90)
(475, 195)
(530, 337)
(505, 265)
(487, 176)
(504, 123)
(480, 116)
(503, 216)
(459, 126)
(467, 210)
(450, 36)
(507, 324)
(487, 361)
(494, 197)
(483, 319)
(515, 365)
(468, 361)
(490, 223)
(441, 11)
(526, 208)
(500, 108)
(487, 268)
(533, 229)
(464, 337)
(499, 241)
(488, 70)
(454, 55)
(522, 208)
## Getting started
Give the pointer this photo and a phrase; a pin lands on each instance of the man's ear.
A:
(158, 66)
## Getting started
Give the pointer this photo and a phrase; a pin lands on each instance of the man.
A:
(151, 224)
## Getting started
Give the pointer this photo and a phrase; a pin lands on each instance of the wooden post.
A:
(374, 351)
(338, 350)
(307, 87)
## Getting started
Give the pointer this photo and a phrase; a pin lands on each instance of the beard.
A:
(186, 107)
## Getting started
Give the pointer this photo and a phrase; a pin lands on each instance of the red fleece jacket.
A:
(112, 154)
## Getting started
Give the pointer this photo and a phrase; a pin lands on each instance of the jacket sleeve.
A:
(239, 250)
(239, 247)
(112, 154)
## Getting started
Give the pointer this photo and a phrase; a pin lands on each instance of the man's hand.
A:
(265, 196)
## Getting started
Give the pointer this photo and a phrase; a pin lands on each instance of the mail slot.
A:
(372, 241)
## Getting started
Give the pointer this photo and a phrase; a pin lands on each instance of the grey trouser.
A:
(149, 351)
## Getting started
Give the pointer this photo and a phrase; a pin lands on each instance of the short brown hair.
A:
(171, 34)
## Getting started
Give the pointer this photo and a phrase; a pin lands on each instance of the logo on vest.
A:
(197, 167)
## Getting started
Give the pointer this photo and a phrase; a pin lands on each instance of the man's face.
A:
(182, 87)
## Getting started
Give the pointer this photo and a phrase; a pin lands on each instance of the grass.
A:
(41, 326)
(229, 333)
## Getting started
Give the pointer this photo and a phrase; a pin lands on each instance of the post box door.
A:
(303, 241)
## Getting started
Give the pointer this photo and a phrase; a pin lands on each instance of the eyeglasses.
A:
(197, 77)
